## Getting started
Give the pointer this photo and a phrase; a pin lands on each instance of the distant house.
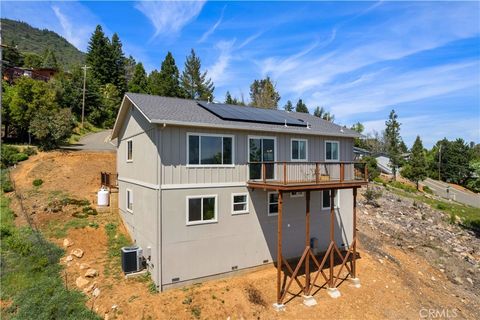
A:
(207, 189)
(360, 153)
(9, 74)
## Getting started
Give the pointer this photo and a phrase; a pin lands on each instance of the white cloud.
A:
(69, 32)
(250, 39)
(210, 31)
(218, 71)
(169, 17)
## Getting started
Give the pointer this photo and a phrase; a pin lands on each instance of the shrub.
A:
(37, 182)
(371, 197)
(30, 151)
(11, 155)
(441, 206)
(5, 182)
(403, 186)
(426, 189)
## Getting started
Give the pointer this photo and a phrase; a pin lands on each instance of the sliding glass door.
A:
(262, 150)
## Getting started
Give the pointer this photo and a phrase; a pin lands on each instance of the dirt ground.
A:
(396, 283)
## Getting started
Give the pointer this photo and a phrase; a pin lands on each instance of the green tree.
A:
(194, 83)
(130, 64)
(320, 112)
(32, 60)
(372, 167)
(263, 94)
(99, 57)
(416, 167)
(11, 56)
(51, 127)
(118, 77)
(392, 137)
(105, 115)
(230, 100)
(301, 107)
(288, 106)
(139, 82)
(49, 60)
(453, 159)
(359, 127)
(169, 78)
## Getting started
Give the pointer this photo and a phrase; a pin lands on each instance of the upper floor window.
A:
(332, 151)
(129, 150)
(299, 150)
(209, 149)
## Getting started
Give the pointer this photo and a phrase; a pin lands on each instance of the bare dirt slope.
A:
(399, 280)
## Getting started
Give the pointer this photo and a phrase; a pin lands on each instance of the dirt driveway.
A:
(396, 282)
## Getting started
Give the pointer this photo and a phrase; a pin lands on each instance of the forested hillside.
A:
(33, 40)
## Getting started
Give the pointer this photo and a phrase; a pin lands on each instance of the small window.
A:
(299, 149)
(332, 152)
(239, 203)
(129, 150)
(129, 199)
(201, 209)
(296, 194)
(210, 149)
(273, 203)
(326, 199)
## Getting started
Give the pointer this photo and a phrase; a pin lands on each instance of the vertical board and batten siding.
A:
(174, 155)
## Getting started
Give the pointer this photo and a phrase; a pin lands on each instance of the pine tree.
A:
(11, 55)
(130, 64)
(263, 94)
(288, 106)
(416, 167)
(392, 137)
(195, 84)
(154, 83)
(320, 112)
(49, 60)
(118, 77)
(301, 107)
(234, 101)
(139, 82)
(99, 57)
(169, 82)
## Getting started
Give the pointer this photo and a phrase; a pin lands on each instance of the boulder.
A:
(90, 288)
(81, 282)
(67, 243)
(96, 292)
(77, 253)
(91, 273)
(68, 258)
(84, 266)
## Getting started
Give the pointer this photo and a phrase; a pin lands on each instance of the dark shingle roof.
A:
(188, 112)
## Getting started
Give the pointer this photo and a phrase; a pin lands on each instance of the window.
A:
(299, 150)
(201, 209)
(261, 149)
(239, 203)
(209, 149)
(332, 151)
(296, 194)
(326, 199)
(129, 199)
(273, 203)
(129, 150)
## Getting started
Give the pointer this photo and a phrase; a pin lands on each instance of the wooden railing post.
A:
(284, 173)
(264, 172)
(317, 173)
(342, 172)
(366, 173)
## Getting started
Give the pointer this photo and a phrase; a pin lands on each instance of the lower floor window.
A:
(239, 203)
(326, 199)
(201, 209)
(129, 200)
(296, 194)
(272, 203)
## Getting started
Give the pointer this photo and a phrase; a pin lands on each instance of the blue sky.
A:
(357, 59)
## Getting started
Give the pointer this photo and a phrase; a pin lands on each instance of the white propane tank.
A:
(103, 197)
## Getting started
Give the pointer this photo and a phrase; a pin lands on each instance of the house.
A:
(206, 189)
(360, 153)
(10, 74)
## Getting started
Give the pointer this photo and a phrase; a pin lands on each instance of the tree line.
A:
(450, 161)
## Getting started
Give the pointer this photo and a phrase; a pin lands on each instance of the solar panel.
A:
(251, 114)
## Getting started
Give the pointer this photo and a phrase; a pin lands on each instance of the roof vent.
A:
(309, 126)
(341, 130)
(285, 123)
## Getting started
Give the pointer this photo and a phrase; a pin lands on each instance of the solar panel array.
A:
(251, 114)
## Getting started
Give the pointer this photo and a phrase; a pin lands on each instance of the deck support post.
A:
(332, 234)
(354, 258)
(279, 305)
(307, 241)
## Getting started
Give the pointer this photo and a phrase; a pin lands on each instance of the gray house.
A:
(207, 189)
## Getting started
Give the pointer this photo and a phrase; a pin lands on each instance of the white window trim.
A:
(297, 195)
(193, 223)
(291, 150)
(325, 149)
(199, 134)
(233, 203)
(336, 204)
(126, 155)
(268, 204)
(274, 153)
(127, 198)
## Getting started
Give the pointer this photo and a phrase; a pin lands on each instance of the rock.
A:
(90, 287)
(67, 243)
(91, 273)
(68, 258)
(96, 292)
(106, 317)
(84, 266)
(77, 253)
(458, 280)
(81, 282)
(470, 280)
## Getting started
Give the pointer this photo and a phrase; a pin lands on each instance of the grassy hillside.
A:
(30, 39)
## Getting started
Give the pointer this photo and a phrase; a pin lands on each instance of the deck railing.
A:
(286, 173)
(108, 179)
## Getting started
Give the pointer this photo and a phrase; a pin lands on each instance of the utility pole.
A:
(439, 161)
(84, 84)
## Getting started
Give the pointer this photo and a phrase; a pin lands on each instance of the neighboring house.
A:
(10, 74)
(360, 153)
(201, 185)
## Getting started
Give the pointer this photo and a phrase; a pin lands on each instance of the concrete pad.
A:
(333, 292)
(278, 307)
(355, 282)
(309, 301)
(136, 274)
